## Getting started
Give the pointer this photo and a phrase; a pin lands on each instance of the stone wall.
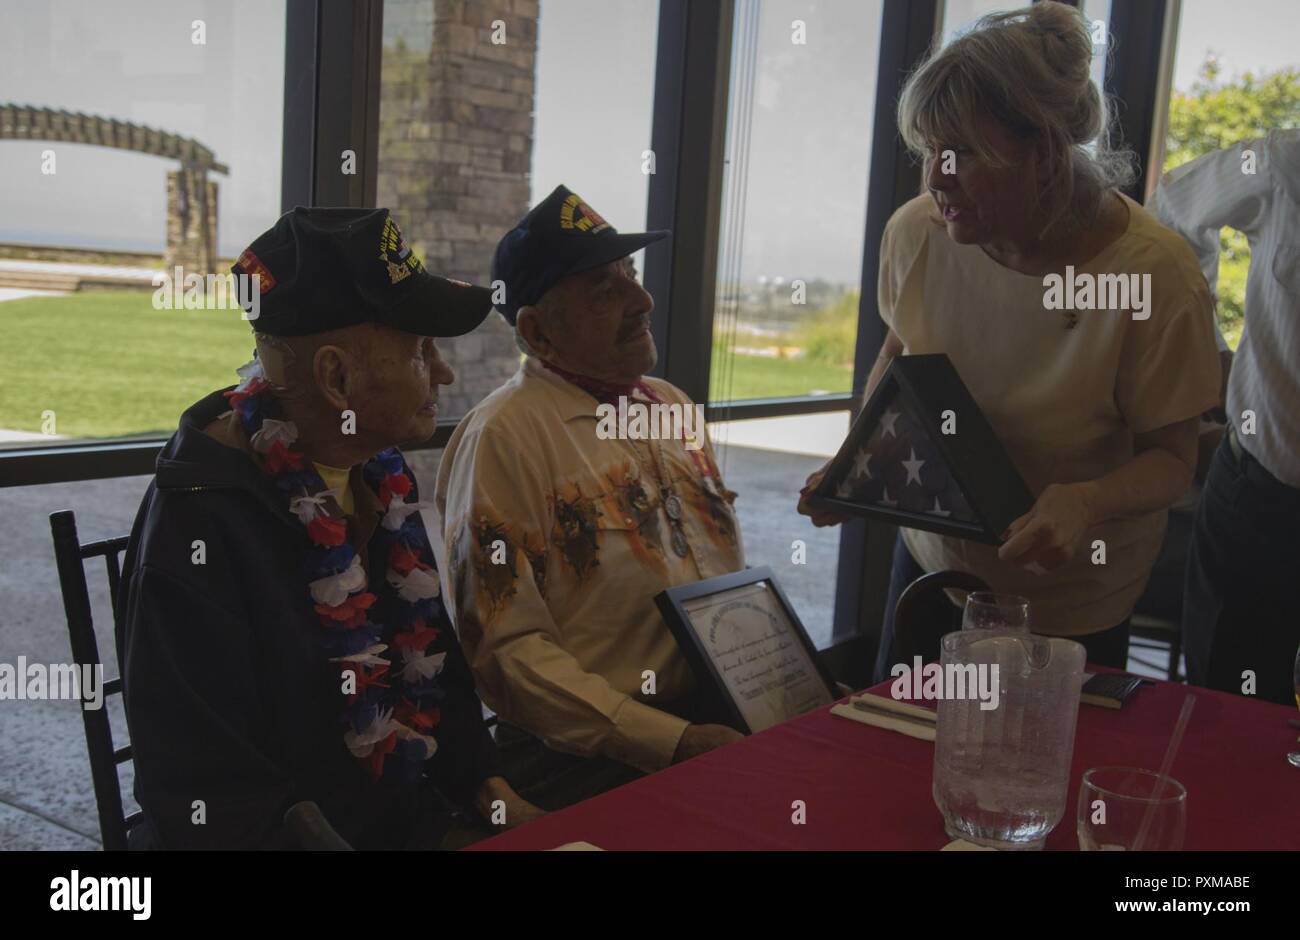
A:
(191, 222)
(455, 146)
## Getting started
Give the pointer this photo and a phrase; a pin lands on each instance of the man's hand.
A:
(517, 810)
(699, 739)
(1049, 534)
(819, 517)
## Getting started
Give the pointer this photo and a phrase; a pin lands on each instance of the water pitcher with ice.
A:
(1002, 764)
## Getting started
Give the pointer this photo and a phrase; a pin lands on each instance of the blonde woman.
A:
(1098, 408)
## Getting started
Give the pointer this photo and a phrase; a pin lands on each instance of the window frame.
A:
(333, 53)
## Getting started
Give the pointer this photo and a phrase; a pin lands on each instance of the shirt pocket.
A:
(630, 515)
(1286, 268)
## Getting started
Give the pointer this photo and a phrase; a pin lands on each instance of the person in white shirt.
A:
(1240, 619)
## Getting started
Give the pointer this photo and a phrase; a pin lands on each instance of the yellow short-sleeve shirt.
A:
(1064, 400)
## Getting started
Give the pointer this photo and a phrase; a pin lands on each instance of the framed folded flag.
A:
(751, 656)
(922, 455)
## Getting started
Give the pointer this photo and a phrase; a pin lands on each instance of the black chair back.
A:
(69, 555)
(924, 614)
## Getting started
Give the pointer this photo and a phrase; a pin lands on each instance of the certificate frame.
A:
(675, 605)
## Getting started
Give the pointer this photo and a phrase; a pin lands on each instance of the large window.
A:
(800, 111)
(487, 107)
(138, 137)
(1236, 77)
(961, 15)
(802, 100)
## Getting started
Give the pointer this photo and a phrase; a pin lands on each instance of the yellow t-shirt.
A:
(1064, 402)
(339, 480)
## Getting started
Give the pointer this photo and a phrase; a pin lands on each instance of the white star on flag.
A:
(844, 491)
(887, 422)
(860, 464)
(936, 511)
(885, 500)
(913, 468)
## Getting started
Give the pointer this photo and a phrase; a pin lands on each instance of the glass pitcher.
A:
(1004, 741)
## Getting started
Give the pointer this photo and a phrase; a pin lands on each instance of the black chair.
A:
(307, 826)
(1147, 632)
(924, 614)
(69, 555)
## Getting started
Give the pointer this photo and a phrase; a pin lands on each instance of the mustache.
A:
(634, 326)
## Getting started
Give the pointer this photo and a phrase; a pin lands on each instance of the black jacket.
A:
(230, 697)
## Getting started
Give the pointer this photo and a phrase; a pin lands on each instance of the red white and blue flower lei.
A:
(385, 640)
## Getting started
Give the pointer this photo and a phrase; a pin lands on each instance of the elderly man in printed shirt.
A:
(559, 536)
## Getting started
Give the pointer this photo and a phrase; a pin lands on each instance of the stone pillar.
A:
(455, 147)
(191, 221)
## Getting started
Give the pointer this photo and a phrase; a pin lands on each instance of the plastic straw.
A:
(1175, 741)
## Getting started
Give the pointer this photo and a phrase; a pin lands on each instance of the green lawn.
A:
(108, 364)
(769, 377)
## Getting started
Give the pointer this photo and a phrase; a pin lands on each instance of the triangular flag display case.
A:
(923, 456)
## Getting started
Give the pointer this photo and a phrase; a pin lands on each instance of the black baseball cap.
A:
(322, 269)
(562, 235)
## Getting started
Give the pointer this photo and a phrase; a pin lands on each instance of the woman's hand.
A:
(819, 517)
(1049, 535)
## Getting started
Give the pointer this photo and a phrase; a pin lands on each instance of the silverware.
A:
(887, 713)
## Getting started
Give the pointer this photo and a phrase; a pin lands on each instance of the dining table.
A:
(822, 782)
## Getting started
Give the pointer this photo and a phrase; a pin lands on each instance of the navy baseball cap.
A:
(562, 235)
(323, 269)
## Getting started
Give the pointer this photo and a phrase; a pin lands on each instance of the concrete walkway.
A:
(96, 272)
(18, 293)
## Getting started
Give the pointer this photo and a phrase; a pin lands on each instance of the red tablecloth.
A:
(867, 788)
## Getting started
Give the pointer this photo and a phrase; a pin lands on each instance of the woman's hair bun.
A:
(1067, 41)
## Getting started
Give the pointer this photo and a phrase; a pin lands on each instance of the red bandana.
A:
(607, 393)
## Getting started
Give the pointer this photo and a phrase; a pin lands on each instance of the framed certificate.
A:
(745, 642)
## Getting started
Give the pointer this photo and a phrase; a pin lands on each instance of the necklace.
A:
(672, 502)
(388, 655)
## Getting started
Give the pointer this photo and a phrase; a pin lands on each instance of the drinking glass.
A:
(1117, 803)
(988, 611)
(1294, 757)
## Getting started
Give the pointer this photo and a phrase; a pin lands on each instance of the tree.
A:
(1216, 114)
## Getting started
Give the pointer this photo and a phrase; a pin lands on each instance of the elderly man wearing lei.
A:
(283, 634)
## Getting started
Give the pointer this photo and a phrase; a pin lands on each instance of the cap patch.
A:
(393, 251)
(576, 214)
(252, 265)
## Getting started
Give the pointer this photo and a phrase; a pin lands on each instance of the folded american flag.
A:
(901, 468)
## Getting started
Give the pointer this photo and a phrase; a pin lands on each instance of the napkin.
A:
(889, 722)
